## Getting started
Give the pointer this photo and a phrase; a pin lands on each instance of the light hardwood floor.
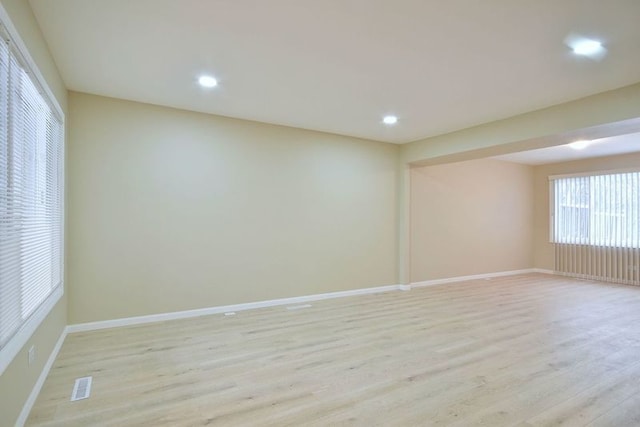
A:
(528, 350)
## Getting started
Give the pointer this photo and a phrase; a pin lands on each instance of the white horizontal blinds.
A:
(6, 253)
(596, 226)
(30, 195)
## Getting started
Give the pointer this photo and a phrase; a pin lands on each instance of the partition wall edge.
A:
(605, 114)
(404, 225)
(601, 115)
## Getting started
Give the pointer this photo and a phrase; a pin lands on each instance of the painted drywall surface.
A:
(543, 250)
(172, 210)
(592, 117)
(470, 218)
(18, 379)
(404, 223)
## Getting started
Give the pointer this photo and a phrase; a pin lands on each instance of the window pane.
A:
(602, 210)
(31, 195)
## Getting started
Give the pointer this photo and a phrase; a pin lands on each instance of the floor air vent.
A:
(81, 389)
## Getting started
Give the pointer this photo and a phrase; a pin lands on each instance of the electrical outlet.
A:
(32, 354)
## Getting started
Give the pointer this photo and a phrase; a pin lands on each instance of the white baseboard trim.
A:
(544, 271)
(475, 277)
(31, 400)
(128, 321)
(138, 320)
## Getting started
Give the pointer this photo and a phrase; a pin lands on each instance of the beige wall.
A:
(172, 210)
(18, 379)
(270, 211)
(543, 250)
(470, 218)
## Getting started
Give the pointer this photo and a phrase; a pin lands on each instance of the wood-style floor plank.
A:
(528, 350)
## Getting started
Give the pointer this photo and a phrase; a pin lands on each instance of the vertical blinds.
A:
(597, 210)
(31, 194)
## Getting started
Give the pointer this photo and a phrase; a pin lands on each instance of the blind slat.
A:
(600, 210)
(31, 194)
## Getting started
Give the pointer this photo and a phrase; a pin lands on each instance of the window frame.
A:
(552, 198)
(17, 342)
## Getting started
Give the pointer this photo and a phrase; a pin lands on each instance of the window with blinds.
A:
(31, 196)
(597, 210)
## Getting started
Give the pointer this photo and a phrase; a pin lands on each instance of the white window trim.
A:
(24, 334)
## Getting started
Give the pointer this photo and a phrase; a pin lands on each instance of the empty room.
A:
(298, 213)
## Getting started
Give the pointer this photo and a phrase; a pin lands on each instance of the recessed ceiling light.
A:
(207, 81)
(579, 145)
(390, 120)
(587, 47)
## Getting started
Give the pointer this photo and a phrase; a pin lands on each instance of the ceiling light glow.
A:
(579, 145)
(587, 47)
(207, 81)
(390, 120)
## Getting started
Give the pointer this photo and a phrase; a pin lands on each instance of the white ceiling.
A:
(340, 65)
(622, 144)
